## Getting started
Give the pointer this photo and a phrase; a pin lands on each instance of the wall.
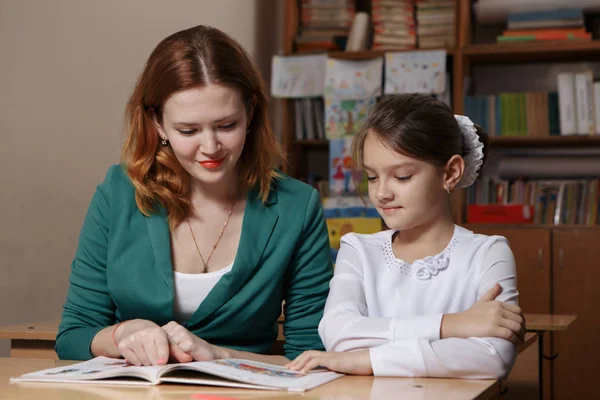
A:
(66, 70)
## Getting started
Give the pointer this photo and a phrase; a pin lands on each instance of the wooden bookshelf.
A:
(532, 52)
(551, 260)
(478, 227)
(503, 142)
(548, 141)
(369, 54)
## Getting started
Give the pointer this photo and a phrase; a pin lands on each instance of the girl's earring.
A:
(448, 190)
(164, 142)
(248, 131)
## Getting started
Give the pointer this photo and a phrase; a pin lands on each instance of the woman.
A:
(191, 245)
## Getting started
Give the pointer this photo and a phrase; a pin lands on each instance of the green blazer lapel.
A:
(160, 237)
(257, 227)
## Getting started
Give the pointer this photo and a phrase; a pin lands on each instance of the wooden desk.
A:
(34, 340)
(548, 322)
(530, 338)
(348, 387)
(541, 323)
(37, 339)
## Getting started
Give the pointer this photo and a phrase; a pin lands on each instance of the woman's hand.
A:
(351, 362)
(142, 342)
(198, 349)
(487, 318)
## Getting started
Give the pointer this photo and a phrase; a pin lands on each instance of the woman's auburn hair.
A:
(188, 59)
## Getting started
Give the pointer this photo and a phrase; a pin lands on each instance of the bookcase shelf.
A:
(552, 261)
(461, 59)
(478, 227)
(503, 142)
(368, 54)
(532, 52)
(549, 141)
(316, 143)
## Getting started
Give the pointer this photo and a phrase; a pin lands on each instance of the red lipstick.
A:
(212, 164)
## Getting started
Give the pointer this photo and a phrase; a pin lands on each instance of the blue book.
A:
(567, 13)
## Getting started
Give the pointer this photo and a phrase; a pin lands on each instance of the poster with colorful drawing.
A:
(353, 79)
(415, 72)
(343, 174)
(298, 76)
(345, 117)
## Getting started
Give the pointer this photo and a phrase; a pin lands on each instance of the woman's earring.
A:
(448, 190)
(248, 131)
(164, 142)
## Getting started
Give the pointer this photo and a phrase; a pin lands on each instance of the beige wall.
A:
(66, 69)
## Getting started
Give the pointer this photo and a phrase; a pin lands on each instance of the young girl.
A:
(417, 300)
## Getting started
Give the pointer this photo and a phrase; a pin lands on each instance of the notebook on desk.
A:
(226, 372)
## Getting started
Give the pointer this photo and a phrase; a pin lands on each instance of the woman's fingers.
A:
(162, 349)
(149, 347)
(130, 356)
(177, 353)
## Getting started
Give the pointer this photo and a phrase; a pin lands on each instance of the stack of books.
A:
(565, 24)
(393, 24)
(324, 25)
(436, 23)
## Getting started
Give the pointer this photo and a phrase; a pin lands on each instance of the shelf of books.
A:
(434, 46)
(550, 140)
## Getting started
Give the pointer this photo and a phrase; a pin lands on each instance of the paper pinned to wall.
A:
(298, 76)
(352, 79)
(415, 72)
(345, 117)
(344, 175)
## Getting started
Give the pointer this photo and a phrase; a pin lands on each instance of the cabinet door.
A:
(531, 247)
(576, 257)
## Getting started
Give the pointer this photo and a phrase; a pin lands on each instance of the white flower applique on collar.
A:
(421, 269)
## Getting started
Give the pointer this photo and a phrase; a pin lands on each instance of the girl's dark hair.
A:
(418, 126)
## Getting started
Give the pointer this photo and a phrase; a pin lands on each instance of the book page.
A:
(261, 374)
(98, 368)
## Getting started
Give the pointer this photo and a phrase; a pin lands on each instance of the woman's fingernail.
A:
(161, 361)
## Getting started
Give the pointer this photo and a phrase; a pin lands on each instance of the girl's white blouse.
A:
(395, 309)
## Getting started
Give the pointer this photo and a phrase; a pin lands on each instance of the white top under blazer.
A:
(191, 290)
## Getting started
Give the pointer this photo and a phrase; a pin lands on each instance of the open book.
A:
(225, 372)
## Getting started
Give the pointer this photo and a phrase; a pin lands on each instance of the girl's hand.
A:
(196, 348)
(142, 342)
(352, 362)
(487, 318)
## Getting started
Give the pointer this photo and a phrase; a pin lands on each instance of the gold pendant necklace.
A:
(216, 243)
